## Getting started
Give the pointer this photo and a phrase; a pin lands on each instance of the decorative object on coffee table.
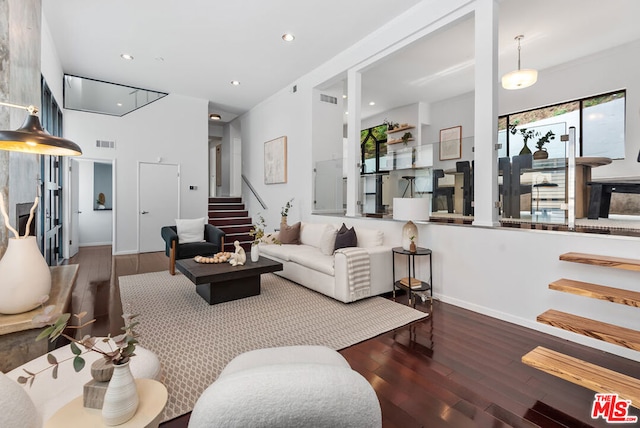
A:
(239, 257)
(121, 399)
(95, 389)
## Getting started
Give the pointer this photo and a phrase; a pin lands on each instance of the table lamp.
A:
(410, 209)
(25, 277)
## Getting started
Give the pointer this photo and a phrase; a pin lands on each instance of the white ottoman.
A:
(291, 386)
(48, 394)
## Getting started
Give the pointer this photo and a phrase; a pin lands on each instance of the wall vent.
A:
(104, 144)
(328, 99)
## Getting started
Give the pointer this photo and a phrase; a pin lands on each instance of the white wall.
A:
(172, 130)
(500, 272)
(95, 226)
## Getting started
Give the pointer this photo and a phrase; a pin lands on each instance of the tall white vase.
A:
(24, 276)
(121, 398)
(255, 253)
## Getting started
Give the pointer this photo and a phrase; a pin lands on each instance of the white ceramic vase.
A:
(255, 253)
(24, 276)
(121, 398)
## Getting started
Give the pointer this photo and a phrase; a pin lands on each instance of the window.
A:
(599, 123)
(373, 145)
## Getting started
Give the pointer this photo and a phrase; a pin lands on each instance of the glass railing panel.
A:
(329, 187)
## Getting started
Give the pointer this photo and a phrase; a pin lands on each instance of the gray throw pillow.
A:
(345, 238)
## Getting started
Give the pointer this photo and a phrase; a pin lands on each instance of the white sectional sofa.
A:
(314, 265)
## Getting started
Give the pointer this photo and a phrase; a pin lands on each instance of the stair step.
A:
(595, 291)
(591, 376)
(224, 200)
(228, 214)
(230, 230)
(606, 261)
(610, 333)
(230, 221)
(242, 237)
(228, 246)
(225, 206)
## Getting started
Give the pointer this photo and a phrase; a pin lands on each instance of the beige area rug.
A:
(194, 341)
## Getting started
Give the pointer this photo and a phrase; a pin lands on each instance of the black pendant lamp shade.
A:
(31, 138)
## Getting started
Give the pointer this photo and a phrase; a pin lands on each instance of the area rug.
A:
(194, 341)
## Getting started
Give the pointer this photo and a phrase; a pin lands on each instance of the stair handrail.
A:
(253, 190)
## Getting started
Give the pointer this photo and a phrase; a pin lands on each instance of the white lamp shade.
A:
(411, 208)
(519, 79)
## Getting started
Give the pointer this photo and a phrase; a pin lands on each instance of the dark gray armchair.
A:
(214, 243)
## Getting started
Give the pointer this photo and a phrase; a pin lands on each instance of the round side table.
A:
(153, 397)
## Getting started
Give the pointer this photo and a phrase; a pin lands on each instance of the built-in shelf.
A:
(595, 291)
(399, 140)
(404, 128)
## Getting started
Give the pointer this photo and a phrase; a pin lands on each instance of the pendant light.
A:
(519, 79)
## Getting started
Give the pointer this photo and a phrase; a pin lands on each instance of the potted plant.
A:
(406, 137)
(541, 153)
(412, 245)
(391, 125)
(284, 212)
(526, 134)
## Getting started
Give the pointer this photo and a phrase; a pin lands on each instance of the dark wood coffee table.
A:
(217, 283)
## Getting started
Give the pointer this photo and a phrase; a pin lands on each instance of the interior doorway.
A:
(158, 203)
(215, 166)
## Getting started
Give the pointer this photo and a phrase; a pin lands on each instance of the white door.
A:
(158, 203)
(74, 226)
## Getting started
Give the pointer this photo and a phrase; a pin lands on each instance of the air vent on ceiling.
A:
(104, 144)
(328, 99)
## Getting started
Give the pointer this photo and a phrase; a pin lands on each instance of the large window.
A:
(599, 123)
(373, 144)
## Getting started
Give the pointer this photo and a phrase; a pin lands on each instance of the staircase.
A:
(229, 215)
(598, 379)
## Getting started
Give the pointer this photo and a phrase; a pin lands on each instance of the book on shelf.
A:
(415, 283)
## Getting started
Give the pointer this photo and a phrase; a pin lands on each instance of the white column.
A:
(354, 82)
(486, 113)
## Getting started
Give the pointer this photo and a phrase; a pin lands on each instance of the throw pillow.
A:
(190, 230)
(345, 238)
(290, 234)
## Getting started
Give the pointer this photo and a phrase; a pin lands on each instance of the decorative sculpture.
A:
(239, 257)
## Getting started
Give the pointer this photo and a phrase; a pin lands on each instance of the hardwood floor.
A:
(456, 369)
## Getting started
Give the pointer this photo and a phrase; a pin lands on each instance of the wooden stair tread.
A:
(606, 261)
(595, 291)
(610, 333)
(591, 376)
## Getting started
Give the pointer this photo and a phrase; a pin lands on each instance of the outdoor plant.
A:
(117, 350)
(285, 210)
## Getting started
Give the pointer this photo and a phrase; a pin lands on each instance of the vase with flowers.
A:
(284, 212)
(258, 235)
(121, 397)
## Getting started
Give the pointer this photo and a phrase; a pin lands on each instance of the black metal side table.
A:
(419, 288)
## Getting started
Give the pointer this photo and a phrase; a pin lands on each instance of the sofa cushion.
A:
(345, 238)
(369, 238)
(290, 234)
(190, 230)
(319, 235)
(312, 258)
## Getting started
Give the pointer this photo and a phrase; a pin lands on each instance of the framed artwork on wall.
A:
(275, 161)
(451, 143)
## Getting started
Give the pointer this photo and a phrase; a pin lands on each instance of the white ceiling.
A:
(196, 47)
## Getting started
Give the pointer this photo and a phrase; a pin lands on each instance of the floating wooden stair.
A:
(595, 291)
(591, 376)
(605, 261)
(610, 333)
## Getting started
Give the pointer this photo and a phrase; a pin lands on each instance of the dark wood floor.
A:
(456, 369)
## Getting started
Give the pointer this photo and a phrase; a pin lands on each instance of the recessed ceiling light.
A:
(372, 103)
(119, 104)
(288, 37)
(346, 112)
(235, 83)
(344, 97)
(214, 116)
(126, 56)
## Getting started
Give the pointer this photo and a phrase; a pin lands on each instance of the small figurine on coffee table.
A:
(239, 257)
